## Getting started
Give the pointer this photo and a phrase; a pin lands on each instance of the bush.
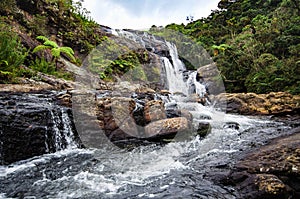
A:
(12, 54)
(41, 65)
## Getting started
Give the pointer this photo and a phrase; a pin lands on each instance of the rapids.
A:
(185, 169)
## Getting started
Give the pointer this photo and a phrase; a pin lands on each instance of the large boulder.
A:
(167, 127)
(262, 104)
(271, 171)
(116, 117)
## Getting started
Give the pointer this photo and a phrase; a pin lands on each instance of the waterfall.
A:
(177, 82)
(64, 137)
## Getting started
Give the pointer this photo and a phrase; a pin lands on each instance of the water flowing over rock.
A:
(33, 124)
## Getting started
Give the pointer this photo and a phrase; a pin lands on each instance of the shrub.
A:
(12, 54)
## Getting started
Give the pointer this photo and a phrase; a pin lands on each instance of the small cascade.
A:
(64, 137)
(177, 82)
(36, 124)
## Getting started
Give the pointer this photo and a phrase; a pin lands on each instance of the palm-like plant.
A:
(55, 49)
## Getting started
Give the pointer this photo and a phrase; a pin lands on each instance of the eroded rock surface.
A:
(273, 171)
(260, 104)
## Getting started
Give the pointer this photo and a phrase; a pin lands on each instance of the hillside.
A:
(63, 27)
(256, 44)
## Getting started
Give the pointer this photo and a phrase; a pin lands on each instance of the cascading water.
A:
(179, 169)
(63, 133)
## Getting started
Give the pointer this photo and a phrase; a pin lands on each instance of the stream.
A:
(185, 169)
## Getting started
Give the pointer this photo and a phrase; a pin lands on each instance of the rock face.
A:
(261, 104)
(211, 76)
(30, 125)
(273, 171)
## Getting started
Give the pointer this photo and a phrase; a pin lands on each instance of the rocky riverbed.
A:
(270, 171)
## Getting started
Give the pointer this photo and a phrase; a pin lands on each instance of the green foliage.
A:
(55, 49)
(41, 65)
(111, 59)
(12, 54)
(254, 43)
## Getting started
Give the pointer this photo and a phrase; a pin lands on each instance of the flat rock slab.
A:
(272, 171)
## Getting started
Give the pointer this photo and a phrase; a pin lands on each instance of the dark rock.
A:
(203, 129)
(232, 125)
(271, 171)
(30, 124)
(171, 113)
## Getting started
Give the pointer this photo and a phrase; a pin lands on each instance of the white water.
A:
(64, 138)
(117, 171)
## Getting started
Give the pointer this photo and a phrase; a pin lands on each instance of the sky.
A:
(142, 14)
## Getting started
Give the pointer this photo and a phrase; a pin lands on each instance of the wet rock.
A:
(211, 76)
(203, 129)
(232, 125)
(31, 124)
(154, 110)
(171, 113)
(271, 171)
(167, 127)
(165, 92)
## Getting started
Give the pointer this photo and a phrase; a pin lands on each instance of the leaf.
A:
(67, 50)
(5, 72)
(4, 61)
(40, 48)
(55, 52)
(43, 38)
(51, 44)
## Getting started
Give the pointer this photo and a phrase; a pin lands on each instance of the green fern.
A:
(55, 49)
(40, 48)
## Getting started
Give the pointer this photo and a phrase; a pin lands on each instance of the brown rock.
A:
(165, 92)
(154, 110)
(115, 114)
(166, 127)
(262, 104)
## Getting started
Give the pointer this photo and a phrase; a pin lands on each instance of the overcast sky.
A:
(142, 14)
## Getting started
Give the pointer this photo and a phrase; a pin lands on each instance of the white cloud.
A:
(142, 14)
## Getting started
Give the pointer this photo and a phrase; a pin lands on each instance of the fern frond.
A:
(73, 59)
(42, 38)
(50, 43)
(69, 52)
(40, 48)
(55, 52)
